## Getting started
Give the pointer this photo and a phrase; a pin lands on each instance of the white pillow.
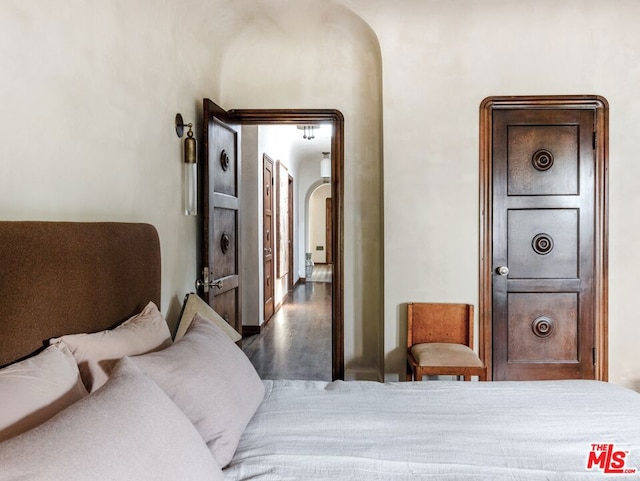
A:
(98, 352)
(34, 390)
(212, 381)
(193, 305)
(128, 430)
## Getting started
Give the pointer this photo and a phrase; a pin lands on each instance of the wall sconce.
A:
(325, 167)
(190, 167)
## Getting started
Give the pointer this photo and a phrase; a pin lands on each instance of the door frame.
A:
(601, 221)
(335, 117)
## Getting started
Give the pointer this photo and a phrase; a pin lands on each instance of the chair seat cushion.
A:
(445, 354)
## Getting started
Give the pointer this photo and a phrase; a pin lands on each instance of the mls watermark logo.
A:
(605, 458)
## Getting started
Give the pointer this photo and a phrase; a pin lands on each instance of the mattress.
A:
(440, 430)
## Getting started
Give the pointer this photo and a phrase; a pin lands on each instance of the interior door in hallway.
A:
(221, 212)
(291, 203)
(544, 243)
(267, 236)
(328, 232)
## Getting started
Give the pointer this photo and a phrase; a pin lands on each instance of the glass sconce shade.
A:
(190, 175)
(325, 166)
(191, 189)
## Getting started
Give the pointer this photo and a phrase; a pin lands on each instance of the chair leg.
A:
(409, 373)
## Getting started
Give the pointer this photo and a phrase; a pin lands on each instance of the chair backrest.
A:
(431, 322)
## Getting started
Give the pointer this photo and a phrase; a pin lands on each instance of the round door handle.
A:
(502, 270)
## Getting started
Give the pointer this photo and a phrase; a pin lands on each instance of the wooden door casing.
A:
(267, 237)
(221, 214)
(547, 317)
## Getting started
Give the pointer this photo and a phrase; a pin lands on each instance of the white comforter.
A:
(438, 430)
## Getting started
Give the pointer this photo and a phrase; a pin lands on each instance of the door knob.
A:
(209, 284)
(502, 270)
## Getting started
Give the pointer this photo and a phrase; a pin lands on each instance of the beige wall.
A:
(89, 94)
(90, 90)
(454, 54)
(269, 62)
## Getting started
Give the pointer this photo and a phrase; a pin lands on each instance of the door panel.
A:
(554, 324)
(534, 150)
(222, 249)
(221, 212)
(542, 243)
(543, 232)
(267, 237)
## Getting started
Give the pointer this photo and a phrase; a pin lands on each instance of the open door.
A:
(220, 174)
(220, 200)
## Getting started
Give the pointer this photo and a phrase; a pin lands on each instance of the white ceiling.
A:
(305, 150)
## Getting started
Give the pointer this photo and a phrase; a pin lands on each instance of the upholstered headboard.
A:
(61, 278)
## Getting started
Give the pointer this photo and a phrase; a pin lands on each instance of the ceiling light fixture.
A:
(308, 131)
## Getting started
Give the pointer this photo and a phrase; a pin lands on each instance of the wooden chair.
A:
(440, 341)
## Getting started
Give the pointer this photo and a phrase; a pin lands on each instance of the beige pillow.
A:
(34, 390)
(193, 305)
(127, 431)
(212, 381)
(98, 352)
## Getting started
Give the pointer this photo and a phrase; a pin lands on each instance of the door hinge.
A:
(595, 356)
(595, 139)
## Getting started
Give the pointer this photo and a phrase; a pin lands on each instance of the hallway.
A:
(296, 342)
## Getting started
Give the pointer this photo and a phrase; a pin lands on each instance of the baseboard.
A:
(251, 330)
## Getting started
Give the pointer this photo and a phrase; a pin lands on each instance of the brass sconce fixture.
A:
(190, 167)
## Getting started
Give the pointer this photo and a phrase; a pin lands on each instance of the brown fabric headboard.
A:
(61, 278)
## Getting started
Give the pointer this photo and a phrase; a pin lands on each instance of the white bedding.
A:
(439, 430)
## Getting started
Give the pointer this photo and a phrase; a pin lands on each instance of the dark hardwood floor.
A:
(296, 342)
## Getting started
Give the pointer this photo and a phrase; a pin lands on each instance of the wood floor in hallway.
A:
(296, 342)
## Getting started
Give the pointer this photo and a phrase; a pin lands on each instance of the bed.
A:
(195, 409)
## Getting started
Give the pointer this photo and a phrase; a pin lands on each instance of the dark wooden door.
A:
(543, 243)
(328, 231)
(290, 203)
(282, 220)
(221, 214)
(267, 236)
